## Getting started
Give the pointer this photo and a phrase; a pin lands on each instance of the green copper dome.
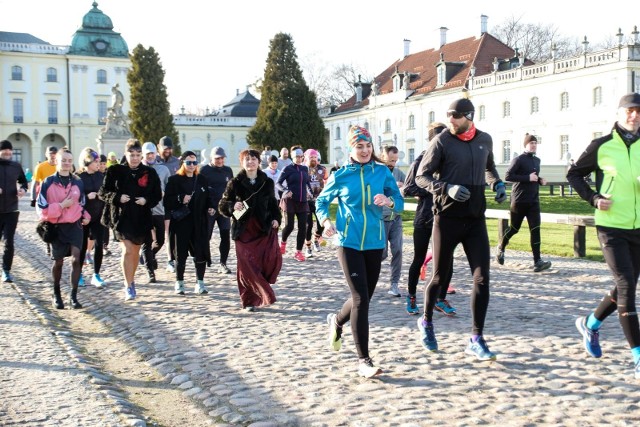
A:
(97, 38)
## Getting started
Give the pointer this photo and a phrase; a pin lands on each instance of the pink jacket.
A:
(52, 193)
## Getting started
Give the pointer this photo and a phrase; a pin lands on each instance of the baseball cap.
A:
(166, 142)
(217, 152)
(149, 147)
(52, 149)
(630, 100)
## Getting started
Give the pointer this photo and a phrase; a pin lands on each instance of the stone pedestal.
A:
(107, 145)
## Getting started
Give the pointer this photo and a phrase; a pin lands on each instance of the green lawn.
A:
(557, 239)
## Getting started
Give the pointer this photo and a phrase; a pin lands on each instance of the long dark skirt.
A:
(259, 263)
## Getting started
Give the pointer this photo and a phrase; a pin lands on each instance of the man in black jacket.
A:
(218, 175)
(12, 173)
(524, 172)
(456, 167)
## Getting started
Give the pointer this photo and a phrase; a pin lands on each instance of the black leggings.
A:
(361, 270)
(421, 237)
(447, 234)
(519, 212)
(151, 247)
(93, 230)
(302, 228)
(224, 227)
(621, 250)
(310, 218)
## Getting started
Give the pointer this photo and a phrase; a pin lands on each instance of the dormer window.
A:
(441, 71)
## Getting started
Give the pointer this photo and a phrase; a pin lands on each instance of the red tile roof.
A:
(479, 52)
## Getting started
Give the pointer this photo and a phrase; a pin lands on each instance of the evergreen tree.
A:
(288, 114)
(150, 116)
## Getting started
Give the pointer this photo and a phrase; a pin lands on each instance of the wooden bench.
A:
(579, 222)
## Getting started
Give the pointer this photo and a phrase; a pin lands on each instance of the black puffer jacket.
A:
(260, 197)
(524, 190)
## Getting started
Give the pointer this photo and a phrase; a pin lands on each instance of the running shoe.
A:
(316, 245)
(88, 259)
(367, 369)
(427, 335)
(97, 281)
(480, 349)
(151, 275)
(133, 289)
(500, 255)
(590, 337)
(179, 287)
(308, 251)
(541, 265)
(81, 283)
(299, 256)
(200, 288)
(283, 248)
(446, 308)
(250, 308)
(451, 290)
(393, 290)
(128, 294)
(171, 266)
(335, 333)
(7, 277)
(223, 269)
(412, 306)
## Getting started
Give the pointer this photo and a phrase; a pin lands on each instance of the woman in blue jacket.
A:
(362, 188)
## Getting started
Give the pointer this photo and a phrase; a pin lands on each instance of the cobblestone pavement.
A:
(272, 367)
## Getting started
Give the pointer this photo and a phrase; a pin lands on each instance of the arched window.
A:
(52, 74)
(337, 132)
(102, 76)
(564, 101)
(432, 117)
(16, 72)
(597, 96)
(387, 125)
(482, 113)
(506, 109)
(535, 105)
(412, 122)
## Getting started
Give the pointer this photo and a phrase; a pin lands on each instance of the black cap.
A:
(52, 149)
(462, 106)
(166, 142)
(6, 145)
(630, 100)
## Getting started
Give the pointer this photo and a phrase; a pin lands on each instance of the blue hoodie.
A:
(359, 221)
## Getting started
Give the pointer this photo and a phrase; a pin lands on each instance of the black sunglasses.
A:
(455, 114)
(191, 162)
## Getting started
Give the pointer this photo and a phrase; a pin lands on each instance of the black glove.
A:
(501, 193)
(458, 193)
(33, 203)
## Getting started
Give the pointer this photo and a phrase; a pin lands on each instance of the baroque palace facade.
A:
(60, 95)
(564, 102)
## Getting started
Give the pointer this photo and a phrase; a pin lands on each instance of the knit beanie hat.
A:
(528, 138)
(357, 133)
(6, 145)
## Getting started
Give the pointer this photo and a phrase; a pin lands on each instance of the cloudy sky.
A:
(210, 49)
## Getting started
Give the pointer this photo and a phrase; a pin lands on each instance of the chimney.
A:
(443, 36)
(407, 45)
(483, 24)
